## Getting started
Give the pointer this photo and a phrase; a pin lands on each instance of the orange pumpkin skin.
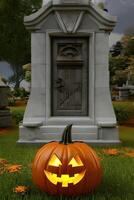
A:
(65, 152)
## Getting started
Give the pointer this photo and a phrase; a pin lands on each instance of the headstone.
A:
(5, 115)
(125, 92)
(70, 75)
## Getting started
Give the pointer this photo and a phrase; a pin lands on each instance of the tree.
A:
(120, 77)
(116, 65)
(116, 49)
(14, 38)
(129, 50)
(121, 63)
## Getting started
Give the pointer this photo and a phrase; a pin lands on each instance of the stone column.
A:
(104, 113)
(104, 107)
(35, 110)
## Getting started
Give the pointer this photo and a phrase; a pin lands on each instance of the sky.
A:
(123, 9)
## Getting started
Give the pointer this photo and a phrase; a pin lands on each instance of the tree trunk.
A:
(18, 75)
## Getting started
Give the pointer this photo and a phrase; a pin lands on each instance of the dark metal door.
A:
(69, 76)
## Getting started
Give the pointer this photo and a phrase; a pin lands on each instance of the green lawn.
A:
(118, 177)
(125, 103)
(20, 108)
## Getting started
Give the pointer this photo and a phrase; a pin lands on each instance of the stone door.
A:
(69, 79)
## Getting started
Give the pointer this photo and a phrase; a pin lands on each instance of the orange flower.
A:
(21, 189)
(111, 152)
(3, 161)
(130, 154)
(14, 168)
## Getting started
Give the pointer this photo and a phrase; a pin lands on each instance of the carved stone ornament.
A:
(68, 20)
(69, 51)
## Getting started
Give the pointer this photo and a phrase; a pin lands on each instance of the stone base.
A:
(88, 134)
(5, 118)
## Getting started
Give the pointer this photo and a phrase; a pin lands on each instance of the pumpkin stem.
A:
(66, 136)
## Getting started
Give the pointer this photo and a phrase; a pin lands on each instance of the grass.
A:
(118, 171)
(127, 136)
(118, 177)
(14, 108)
(17, 113)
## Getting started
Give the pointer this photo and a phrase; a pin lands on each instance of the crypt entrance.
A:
(69, 78)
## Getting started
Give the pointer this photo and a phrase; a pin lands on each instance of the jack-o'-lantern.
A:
(66, 167)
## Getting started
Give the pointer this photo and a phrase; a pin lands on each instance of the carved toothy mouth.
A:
(65, 179)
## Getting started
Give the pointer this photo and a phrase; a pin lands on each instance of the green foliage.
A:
(28, 76)
(117, 63)
(123, 112)
(116, 49)
(129, 50)
(20, 92)
(17, 115)
(14, 38)
(122, 59)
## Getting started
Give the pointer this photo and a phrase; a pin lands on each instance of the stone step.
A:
(75, 136)
(75, 129)
(45, 134)
(54, 133)
(91, 142)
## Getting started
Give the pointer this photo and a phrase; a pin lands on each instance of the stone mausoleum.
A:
(70, 75)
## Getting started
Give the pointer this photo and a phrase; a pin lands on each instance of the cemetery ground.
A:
(16, 162)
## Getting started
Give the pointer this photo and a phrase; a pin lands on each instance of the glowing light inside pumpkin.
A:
(65, 179)
(54, 161)
(76, 162)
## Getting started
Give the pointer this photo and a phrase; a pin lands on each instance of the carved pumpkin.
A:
(66, 167)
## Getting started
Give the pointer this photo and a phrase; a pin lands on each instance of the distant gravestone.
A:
(70, 75)
(5, 115)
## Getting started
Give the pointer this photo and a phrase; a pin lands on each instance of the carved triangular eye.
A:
(76, 162)
(54, 161)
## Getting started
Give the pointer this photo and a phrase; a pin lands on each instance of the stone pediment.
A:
(69, 15)
(68, 20)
